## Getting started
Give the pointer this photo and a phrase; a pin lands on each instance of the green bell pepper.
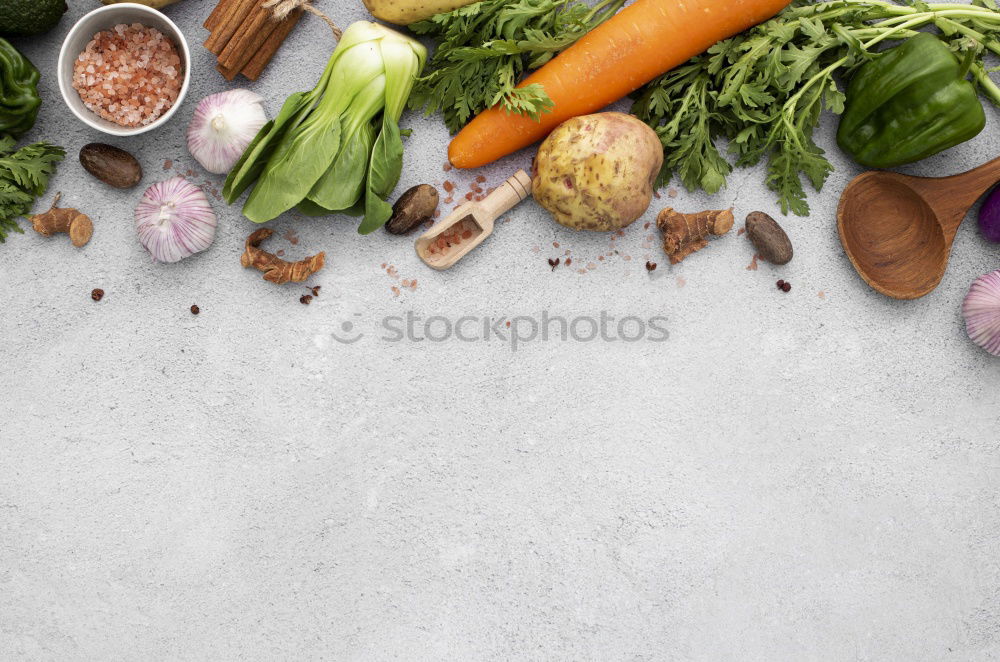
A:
(912, 101)
(19, 100)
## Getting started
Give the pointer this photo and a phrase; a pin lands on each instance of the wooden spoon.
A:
(898, 230)
(470, 224)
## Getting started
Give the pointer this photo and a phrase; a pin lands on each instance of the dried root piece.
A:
(414, 207)
(78, 226)
(275, 269)
(684, 234)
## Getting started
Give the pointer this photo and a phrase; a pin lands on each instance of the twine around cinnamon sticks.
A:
(245, 34)
(282, 8)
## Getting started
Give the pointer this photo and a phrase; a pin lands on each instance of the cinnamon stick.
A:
(231, 20)
(215, 17)
(228, 74)
(255, 67)
(248, 39)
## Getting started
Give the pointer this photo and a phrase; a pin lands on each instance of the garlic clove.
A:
(174, 220)
(224, 124)
(981, 310)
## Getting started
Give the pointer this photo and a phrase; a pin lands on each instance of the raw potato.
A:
(596, 172)
(404, 12)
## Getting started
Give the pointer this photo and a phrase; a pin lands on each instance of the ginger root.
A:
(77, 225)
(275, 269)
(684, 234)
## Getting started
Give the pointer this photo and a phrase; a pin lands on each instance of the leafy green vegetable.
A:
(24, 176)
(343, 183)
(387, 155)
(486, 47)
(338, 147)
(383, 173)
(763, 91)
(259, 151)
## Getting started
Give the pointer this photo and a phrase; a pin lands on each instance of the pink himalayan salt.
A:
(130, 75)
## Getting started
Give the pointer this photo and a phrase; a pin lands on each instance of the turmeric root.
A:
(78, 226)
(275, 269)
(684, 234)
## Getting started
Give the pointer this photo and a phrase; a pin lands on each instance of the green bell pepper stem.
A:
(967, 61)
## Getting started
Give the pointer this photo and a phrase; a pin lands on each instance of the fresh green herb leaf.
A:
(681, 97)
(487, 47)
(24, 176)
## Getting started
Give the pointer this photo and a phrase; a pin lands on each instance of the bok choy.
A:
(338, 147)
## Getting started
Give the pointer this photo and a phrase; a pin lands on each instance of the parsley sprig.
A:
(24, 176)
(486, 48)
(764, 91)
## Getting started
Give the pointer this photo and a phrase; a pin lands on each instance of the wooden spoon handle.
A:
(508, 194)
(979, 179)
(954, 195)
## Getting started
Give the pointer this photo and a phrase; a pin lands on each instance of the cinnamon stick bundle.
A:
(213, 19)
(245, 36)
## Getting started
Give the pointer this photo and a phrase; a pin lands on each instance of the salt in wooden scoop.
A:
(451, 238)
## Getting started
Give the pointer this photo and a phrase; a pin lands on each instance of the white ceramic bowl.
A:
(104, 18)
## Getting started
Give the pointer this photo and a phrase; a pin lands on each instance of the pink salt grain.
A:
(130, 75)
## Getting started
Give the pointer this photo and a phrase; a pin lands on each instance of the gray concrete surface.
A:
(802, 476)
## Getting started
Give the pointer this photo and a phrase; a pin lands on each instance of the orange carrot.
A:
(642, 41)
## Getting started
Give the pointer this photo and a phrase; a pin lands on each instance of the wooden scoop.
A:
(451, 238)
(898, 230)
